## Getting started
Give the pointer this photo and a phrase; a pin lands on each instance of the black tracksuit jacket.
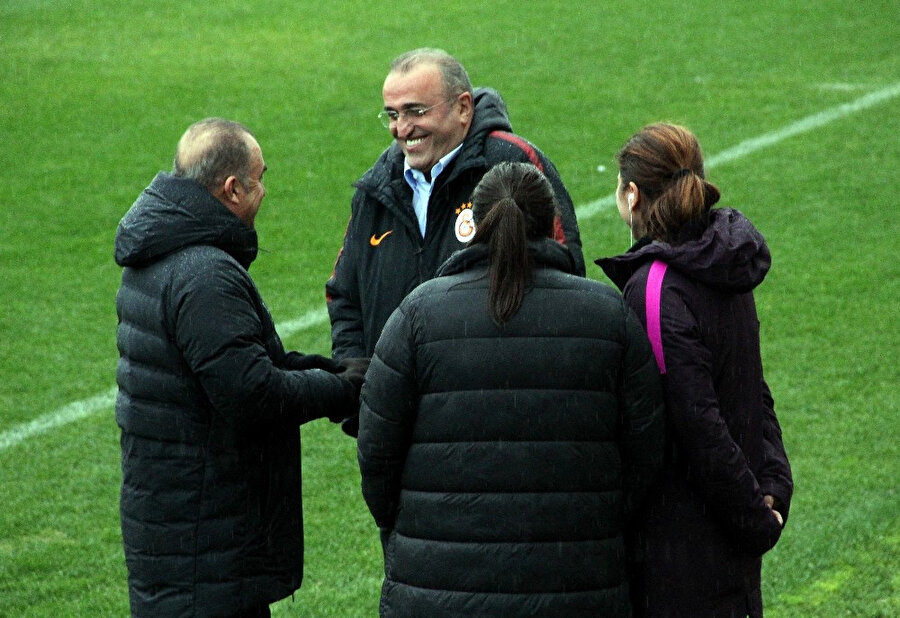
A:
(384, 256)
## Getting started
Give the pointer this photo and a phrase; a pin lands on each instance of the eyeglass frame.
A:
(411, 114)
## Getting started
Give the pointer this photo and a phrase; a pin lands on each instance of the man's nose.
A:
(403, 127)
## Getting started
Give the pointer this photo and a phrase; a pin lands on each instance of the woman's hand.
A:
(770, 502)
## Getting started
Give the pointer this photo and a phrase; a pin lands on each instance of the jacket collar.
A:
(546, 253)
(173, 213)
(726, 253)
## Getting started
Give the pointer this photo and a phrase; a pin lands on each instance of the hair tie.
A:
(682, 172)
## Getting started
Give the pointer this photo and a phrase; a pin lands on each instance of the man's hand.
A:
(295, 361)
(354, 371)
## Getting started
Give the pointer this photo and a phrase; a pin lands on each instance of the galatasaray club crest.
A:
(465, 226)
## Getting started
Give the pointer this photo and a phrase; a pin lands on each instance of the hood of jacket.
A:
(174, 213)
(490, 115)
(545, 252)
(728, 253)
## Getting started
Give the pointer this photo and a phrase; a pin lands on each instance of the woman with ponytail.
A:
(511, 423)
(726, 489)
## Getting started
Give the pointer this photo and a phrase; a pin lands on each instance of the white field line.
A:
(768, 139)
(315, 317)
(65, 415)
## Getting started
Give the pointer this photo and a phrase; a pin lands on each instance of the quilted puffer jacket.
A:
(501, 463)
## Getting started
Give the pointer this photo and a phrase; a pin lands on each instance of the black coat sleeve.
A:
(515, 148)
(716, 465)
(775, 478)
(342, 296)
(386, 418)
(642, 415)
(571, 235)
(219, 326)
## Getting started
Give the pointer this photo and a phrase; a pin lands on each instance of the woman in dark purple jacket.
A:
(726, 489)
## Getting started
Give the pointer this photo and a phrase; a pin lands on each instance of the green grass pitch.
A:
(95, 94)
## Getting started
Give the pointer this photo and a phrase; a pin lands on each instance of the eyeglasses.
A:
(410, 114)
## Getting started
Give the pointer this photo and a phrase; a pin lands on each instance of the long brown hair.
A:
(513, 203)
(665, 162)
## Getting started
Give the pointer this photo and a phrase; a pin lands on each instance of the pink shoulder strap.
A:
(654, 292)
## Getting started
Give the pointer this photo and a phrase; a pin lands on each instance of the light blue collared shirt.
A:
(422, 188)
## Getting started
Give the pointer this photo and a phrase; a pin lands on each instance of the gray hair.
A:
(213, 149)
(456, 80)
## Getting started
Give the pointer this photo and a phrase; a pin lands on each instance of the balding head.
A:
(213, 149)
(453, 74)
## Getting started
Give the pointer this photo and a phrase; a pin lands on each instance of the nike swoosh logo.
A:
(376, 240)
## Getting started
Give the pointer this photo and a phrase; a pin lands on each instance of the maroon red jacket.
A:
(707, 525)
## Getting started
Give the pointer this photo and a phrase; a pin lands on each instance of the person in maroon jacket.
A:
(726, 490)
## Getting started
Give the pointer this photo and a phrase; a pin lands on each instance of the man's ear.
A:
(230, 188)
(466, 106)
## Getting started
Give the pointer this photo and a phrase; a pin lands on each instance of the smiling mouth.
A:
(415, 142)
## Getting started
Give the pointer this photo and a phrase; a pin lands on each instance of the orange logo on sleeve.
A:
(376, 240)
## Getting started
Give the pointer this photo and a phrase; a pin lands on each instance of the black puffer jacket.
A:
(501, 462)
(707, 525)
(384, 256)
(210, 505)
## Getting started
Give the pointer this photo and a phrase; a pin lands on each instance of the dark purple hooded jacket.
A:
(707, 526)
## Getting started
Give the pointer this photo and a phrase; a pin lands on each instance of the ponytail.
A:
(504, 227)
(665, 162)
(513, 203)
(688, 197)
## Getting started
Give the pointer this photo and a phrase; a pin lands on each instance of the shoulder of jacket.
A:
(208, 253)
(382, 170)
(431, 293)
(604, 293)
(673, 279)
(499, 145)
(378, 187)
(198, 264)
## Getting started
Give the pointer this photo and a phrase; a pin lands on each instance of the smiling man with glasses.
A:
(412, 209)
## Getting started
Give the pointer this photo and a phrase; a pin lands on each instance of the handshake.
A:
(351, 370)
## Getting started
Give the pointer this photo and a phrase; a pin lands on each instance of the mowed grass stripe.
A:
(86, 407)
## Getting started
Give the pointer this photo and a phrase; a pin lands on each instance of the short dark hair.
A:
(213, 149)
(453, 74)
